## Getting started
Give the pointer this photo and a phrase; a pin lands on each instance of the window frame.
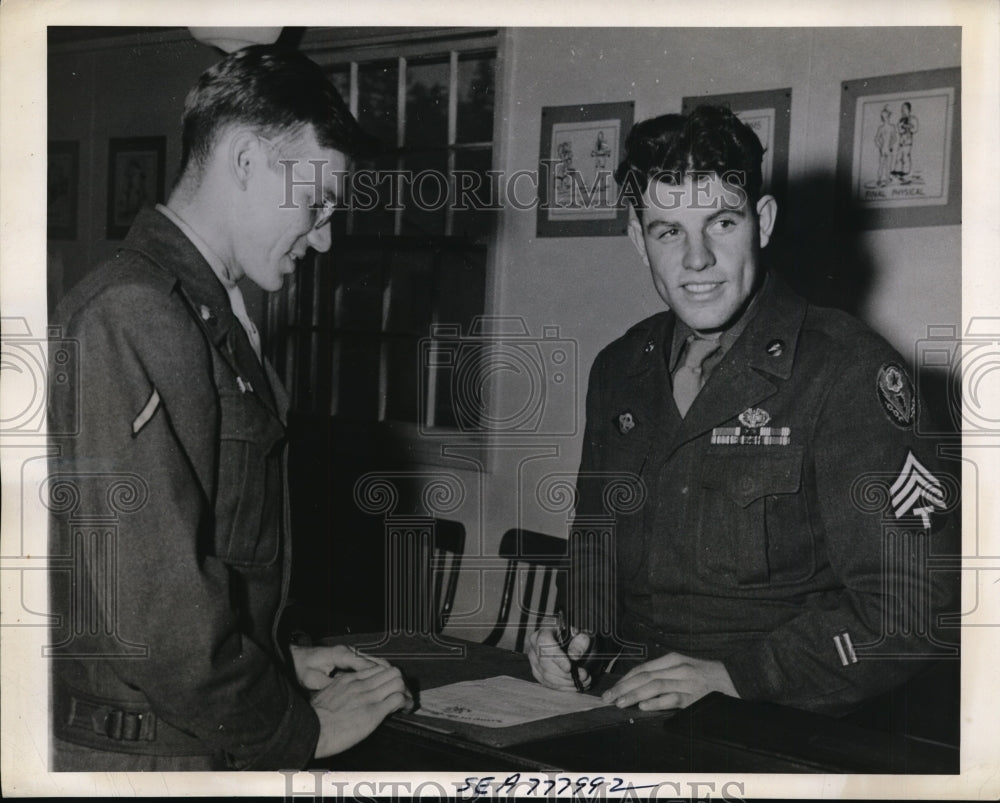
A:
(331, 48)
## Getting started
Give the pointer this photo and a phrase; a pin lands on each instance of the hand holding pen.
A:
(555, 653)
(565, 639)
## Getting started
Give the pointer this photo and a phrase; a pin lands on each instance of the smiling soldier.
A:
(177, 666)
(747, 415)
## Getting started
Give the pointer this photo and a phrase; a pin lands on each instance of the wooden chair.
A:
(541, 558)
(449, 546)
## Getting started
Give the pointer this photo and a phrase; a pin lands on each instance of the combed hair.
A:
(274, 90)
(711, 139)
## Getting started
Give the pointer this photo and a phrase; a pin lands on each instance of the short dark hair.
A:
(273, 89)
(711, 139)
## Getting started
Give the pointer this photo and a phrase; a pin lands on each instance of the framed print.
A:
(63, 189)
(135, 180)
(579, 151)
(898, 160)
(769, 113)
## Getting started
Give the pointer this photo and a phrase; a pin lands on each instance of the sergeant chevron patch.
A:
(916, 492)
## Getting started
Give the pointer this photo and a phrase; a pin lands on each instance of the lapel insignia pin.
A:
(776, 348)
(243, 385)
(754, 417)
(626, 423)
(650, 345)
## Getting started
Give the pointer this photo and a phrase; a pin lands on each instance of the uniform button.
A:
(684, 491)
(746, 483)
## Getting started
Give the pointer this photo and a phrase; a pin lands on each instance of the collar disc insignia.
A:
(626, 423)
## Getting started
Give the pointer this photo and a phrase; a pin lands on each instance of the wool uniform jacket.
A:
(166, 643)
(762, 529)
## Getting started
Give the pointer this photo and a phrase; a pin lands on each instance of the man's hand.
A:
(353, 703)
(313, 665)
(670, 681)
(549, 663)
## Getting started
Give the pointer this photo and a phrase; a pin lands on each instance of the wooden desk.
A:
(716, 734)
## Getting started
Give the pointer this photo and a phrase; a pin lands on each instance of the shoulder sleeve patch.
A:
(895, 394)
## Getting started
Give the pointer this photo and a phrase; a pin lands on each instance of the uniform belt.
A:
(124, 727)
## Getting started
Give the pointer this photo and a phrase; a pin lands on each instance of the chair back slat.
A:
(537, 559)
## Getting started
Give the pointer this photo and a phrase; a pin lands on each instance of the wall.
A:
(119, 89)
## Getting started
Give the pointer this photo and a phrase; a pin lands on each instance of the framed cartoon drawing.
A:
(580, 149)
(768, 113)
(899, 153)
(135, 180)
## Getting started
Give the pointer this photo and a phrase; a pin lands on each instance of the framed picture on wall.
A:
(135, 179)
(63, 189)
(899, 154)
(769, 113)
(579, 151)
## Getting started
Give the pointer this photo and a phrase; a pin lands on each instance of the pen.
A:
(565, 636)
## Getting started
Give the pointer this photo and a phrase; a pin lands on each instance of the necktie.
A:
(688, 378)
(240, 311)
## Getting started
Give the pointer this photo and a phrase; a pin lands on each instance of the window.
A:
(345, 332)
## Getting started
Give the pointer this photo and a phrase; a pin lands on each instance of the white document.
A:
(501, 701)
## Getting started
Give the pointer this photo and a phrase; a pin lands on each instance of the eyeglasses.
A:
(321, 212)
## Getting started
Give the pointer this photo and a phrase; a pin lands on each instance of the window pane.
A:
(427, 103)
(460, 382)
(314, 379)
(357, 371)
(411, 293)
(377, 86)
(359, 292)
(372, 200)
(403, 367)
(462, 285)
(426, 193)
(478, 193)
(340, 77)
(460, 394)
(476, 77)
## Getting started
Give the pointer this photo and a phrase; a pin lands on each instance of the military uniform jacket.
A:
(170, 505)
(762, 529)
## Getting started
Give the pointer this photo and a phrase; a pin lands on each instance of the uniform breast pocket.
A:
(248, 501)
(753, 525)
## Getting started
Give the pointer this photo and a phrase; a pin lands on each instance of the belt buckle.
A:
(123, 725)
